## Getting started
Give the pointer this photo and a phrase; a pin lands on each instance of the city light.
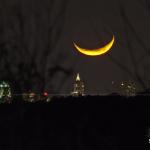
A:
(45, 94)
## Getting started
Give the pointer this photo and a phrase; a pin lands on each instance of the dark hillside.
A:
(105, 123)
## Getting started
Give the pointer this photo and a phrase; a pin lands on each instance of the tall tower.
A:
(78, 87)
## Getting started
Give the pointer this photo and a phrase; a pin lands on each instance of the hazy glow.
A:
(96, 52)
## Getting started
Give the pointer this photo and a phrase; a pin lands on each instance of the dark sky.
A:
(37, 43)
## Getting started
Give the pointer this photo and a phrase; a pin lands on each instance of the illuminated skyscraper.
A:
(78, 87)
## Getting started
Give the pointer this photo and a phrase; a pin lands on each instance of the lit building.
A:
(33, 97)
(29, 97)
(78, 87)
(5, 92)
(148, 134)
(128, 88)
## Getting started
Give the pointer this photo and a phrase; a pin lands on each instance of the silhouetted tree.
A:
(29, 33)
(137, 63)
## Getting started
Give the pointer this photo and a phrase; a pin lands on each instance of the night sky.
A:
(37, 51)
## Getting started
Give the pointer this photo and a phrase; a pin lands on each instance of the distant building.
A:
(128, 88)
(5, 92)
(33, 97)
(78, 87)
(148, 134)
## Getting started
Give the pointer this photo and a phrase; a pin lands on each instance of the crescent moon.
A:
(96, 52)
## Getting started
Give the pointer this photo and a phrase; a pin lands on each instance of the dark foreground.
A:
(85, 123)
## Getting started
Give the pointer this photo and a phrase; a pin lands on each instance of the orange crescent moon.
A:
(96, 52)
